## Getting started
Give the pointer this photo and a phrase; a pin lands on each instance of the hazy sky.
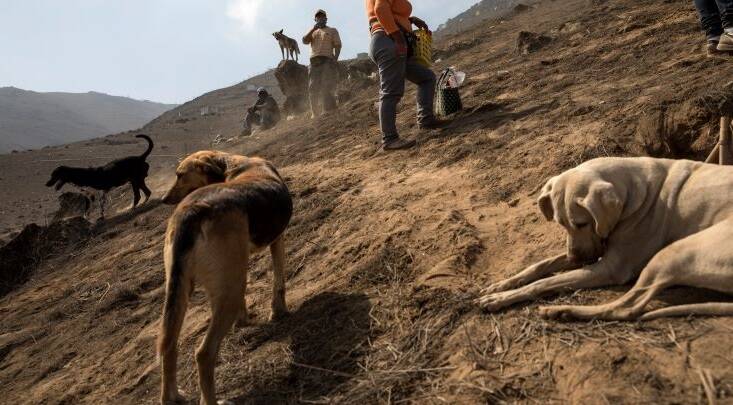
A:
(166, 50)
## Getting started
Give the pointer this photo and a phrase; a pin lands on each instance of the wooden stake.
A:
(714, 155)
(726, 153)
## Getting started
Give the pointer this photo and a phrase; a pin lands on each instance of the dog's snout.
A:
(171, 197)
(573, 258)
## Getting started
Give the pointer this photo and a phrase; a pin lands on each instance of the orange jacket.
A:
(389, 15)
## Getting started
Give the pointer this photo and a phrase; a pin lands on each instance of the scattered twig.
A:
(334, 372)
(477, 357)
(416, 370)
(707, 384)
(105, 292)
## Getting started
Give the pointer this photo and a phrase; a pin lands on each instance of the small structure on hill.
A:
(354, 75)
(209, 110)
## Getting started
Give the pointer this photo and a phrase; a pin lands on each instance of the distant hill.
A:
(481, 11)
(30, 120)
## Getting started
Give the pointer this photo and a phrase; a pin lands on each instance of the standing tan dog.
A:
(669, 222)
(230, 207)
(288, 46)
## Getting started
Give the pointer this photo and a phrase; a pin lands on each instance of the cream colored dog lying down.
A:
(667, 222)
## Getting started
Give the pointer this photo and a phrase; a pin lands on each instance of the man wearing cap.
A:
(265, 113)
(325, 45)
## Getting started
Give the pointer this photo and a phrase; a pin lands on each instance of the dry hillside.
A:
(386, 252)
(29, 119)
(479, 12)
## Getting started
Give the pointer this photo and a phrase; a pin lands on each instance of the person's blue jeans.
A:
(715, 16)
(393, 70)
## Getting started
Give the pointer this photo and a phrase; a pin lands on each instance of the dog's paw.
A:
(493, 302)
(243, 321)
(178, 399)
(224, 402)
(497, 287)
(278, 314)
(556, 312)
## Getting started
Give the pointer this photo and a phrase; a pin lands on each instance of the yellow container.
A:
(424, 47)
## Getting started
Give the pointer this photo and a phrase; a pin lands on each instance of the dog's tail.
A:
(705, 309)
(150, 145)
(179, 282)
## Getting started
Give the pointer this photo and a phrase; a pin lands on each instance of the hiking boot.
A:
(726, 43)
(433, 123)
(397, 144)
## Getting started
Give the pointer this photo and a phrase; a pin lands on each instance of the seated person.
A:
(264, 113)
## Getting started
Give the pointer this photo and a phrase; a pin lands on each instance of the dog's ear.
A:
(545, 200)
(213, 168)
(281, 31)
(605, 205)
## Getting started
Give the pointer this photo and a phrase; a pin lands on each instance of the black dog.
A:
(132, 169)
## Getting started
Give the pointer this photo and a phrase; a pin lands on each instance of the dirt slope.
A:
(385, 252)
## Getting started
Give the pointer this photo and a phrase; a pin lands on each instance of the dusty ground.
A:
(387, 251)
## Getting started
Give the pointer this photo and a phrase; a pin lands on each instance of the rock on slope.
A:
(32, 120)
(386, 251)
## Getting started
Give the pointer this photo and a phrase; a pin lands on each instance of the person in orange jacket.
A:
(389, 20)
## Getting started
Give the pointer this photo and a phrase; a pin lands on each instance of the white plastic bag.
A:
(457, 78)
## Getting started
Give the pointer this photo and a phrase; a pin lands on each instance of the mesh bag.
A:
(447, 98)
(423, 47)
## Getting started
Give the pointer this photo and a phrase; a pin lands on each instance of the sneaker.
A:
(726, 43)
(712, 49)
(397, 144)
(434, 123)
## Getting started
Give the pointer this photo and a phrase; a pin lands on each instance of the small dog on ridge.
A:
(288, 46)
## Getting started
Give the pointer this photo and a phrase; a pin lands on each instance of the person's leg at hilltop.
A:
(710, 22)
(392, 69)
(329, 83)
(726, 16)
(315, 85)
